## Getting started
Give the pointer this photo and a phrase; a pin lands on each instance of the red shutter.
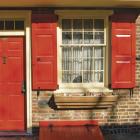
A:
(123, 51)
(44, 51)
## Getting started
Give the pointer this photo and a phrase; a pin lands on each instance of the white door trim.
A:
(26, 16)
(9, 33)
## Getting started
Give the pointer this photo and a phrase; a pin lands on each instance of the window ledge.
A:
(84, 90)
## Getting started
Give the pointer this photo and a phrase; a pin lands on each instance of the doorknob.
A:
(4, 59)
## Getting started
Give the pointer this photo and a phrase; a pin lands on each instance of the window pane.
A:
(98, 52)
(67, 52)
(77, 77)
(66, 38)
(87, 58)
(101, 77)
(66, 24)
(9, 25)
(98, 77)
(66, 77)
(99, 38)
(77, 52)
(88, 52)
(98, 64)
(77, 58)
(1, 25)
(66, 58)
(77, 38)
(19, 25)
(77, 65)
(99, 24)
(87, 77)
(88, 24)
(88, 37)
(77, 24)
(87, 64)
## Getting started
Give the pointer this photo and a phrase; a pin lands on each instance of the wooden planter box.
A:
(82, 102)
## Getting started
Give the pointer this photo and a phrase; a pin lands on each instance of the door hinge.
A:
(23, 88)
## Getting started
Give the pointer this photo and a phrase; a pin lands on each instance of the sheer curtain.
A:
(82, 64)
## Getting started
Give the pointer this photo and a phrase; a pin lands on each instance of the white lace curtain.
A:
(82, 64)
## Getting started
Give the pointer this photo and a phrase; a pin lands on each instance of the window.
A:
(83, 42)
(83, 50)
(11, 24)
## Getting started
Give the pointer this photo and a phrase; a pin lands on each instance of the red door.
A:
(11, 83)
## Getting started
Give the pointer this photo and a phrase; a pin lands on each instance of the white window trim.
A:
(26, 16)
(71, 87)
(12, 33)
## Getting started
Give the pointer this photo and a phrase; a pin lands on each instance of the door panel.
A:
(11, 79)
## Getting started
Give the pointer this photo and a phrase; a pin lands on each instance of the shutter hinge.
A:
(38, 91)
(131, 92)
(57, 87)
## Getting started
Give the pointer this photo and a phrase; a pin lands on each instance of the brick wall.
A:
(123, 117)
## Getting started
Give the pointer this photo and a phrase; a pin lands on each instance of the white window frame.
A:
(74, 14)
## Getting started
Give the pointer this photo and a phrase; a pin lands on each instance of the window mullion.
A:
(82, 65)
(14, 25)
(72, 29)
(82, 50)
(104, 64)
(72, 71)
(93, 61)
(4, 24)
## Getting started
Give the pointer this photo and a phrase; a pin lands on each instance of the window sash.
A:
(82, 64)
(72, 34)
